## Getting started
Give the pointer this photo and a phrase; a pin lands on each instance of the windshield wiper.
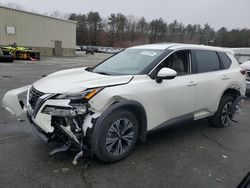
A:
(89, 69)
(103, 73)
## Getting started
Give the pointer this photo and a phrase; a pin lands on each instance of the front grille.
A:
(34, 96)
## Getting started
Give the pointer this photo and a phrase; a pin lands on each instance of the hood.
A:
(77, 80)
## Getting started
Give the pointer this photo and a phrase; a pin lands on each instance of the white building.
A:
(50, 36)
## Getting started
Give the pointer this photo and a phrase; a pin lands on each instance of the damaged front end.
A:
(14, 101)
(64, 119)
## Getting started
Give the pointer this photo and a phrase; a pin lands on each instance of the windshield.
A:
(127, 62)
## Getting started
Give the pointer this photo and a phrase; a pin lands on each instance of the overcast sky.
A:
(218, 13)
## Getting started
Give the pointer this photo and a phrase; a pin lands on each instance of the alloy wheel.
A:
(120, 136)
(226, 114)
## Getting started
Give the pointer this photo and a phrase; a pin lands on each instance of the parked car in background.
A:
(83, 48)
(90, 50)
(104, 50)
(112, 50)
(78, 48)
(241, 54)
(101, 50)
(96, 49)
(246, 66)
(105, 109)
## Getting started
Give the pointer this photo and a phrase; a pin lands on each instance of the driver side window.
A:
(179, 61)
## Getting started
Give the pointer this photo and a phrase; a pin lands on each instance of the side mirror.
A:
(165, 73)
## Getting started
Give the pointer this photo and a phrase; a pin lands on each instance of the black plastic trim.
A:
(172, 122)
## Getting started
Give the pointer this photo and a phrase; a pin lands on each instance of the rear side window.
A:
(226, 62)
(207, 61)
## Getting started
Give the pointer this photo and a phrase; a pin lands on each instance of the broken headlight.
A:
(64, 111)
(87, 95)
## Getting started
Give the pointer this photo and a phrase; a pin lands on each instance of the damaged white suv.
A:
(107, 108)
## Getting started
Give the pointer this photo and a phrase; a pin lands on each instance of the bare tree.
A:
(60, 15)
(14, 6)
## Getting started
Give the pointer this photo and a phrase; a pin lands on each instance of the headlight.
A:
(87, 95)
(64, 111)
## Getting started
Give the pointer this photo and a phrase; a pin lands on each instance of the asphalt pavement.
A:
(192, 155)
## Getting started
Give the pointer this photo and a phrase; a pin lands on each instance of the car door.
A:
(175, 97)
(211, 82)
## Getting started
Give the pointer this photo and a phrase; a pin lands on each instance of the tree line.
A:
(119, 30)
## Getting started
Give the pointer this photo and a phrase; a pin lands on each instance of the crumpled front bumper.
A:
(17, 103)
(40, 132)
(53, 136)
(14, 101)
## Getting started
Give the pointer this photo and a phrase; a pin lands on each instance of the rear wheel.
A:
(6, 58)
(117, 137)
(223, 116)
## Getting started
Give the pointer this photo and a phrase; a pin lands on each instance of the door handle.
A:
(225, 77)
(191, 84)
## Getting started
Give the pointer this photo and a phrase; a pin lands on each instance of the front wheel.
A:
(223, 116)
(117, 137)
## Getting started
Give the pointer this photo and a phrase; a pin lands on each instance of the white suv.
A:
(105, 109)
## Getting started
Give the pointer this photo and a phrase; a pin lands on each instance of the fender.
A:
(120, 104)
(233, 87)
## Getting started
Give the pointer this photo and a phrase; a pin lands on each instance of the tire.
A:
(115, 142)
(6, 58)
(222, 118)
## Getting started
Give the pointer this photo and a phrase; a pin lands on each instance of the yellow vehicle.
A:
(20, 52)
